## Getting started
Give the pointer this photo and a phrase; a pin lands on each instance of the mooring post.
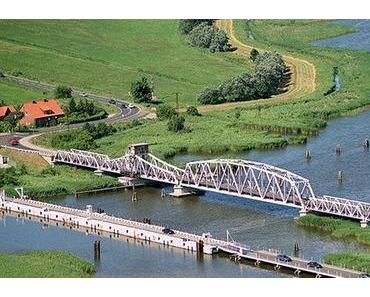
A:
(134, 196)
(338, 149)
(308, 154)
(340, 176)
(366, 143)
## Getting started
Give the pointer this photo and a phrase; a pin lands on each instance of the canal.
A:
(253, 223)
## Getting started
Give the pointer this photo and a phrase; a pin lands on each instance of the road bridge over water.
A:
(242, 178)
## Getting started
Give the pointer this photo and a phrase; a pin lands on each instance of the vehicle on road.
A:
(131, 106)
(283, 258)
(123, 105)
(314, 264)
(168, 231)
(365, 275)
(14, 142)
(112, 101)
(83, 94)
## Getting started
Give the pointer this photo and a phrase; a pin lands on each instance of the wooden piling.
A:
(340, 175)
(338, 149)
(366, 143)
(308, 154)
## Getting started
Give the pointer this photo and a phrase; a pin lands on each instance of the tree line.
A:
(269, 77)
(202, 33)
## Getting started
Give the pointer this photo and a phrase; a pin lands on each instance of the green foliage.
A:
(269, 77)
(63, 92)
(185, 26)
(207, 36)
(237, 114)
(82, 111)
(8, 176)
(254, 54)
(142, 90)
(338, 228)
(176, 123)
(350, 260)
(44, 264)
(192, 111)
(165, 111)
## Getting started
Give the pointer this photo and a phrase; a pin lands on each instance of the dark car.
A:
(283, 258)
(365, 275)
(112, 101)
(168, 231)
(14, 142)
(314, 264)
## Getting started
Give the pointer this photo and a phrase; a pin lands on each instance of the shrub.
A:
(165, 112)
(176, 123)
(210, 96)
(193, 111)
(185, 26)
(219, 42)
(254, 54)
(63, 92)
(142, 90)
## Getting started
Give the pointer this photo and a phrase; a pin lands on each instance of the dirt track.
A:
(302, 82)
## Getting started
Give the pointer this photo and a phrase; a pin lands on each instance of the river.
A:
(253, 223)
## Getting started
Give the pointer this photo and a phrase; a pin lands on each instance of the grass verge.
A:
(44, 264)
(350, 260)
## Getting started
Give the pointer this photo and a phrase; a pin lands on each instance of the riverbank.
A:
(44, 264)
(357, 261)
(337, 228)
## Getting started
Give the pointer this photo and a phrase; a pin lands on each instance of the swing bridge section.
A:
(242, 178)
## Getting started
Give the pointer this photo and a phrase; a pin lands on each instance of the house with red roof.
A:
(6, 110)
(41, 113)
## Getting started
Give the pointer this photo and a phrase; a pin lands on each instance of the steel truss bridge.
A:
(247, 179)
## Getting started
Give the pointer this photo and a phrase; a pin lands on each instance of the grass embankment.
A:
(105, 56)
(338, 228)
(267, 123)
(44, 264)
(357, 261)
(40, 180)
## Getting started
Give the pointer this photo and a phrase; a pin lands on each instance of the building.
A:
(6, 110)
(41, 113)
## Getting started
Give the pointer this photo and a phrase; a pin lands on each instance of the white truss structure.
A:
(247, 179)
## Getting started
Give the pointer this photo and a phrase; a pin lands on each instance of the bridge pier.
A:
(179, 191)
(363, 223)
(302, 212)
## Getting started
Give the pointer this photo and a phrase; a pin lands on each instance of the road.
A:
(124, 113)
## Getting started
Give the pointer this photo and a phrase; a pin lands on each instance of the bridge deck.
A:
(86, 221)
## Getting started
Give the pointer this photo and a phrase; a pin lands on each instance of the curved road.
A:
(302, 82)
(124, 113)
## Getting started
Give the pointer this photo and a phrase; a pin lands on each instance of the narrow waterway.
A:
(253, 223)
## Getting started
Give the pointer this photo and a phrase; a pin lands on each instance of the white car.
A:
(131, 106)
(83, 94)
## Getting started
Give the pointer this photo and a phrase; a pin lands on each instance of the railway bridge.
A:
(242, 178)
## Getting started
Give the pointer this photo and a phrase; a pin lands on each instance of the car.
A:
(83, 94)
(365, 275)
(283, 258)
(168, 231)
(123, 105)
(314, 264)
(14, 142)
(131, 106)
(112, 101)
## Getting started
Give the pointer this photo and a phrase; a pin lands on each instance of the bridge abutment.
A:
(180, 191)
(364, 224)
(303, 212)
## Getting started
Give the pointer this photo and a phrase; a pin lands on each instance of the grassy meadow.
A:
(44, 264)
(357, 261)
(104, 56)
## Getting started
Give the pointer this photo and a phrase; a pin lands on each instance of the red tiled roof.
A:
(6, 109)
(40, 109)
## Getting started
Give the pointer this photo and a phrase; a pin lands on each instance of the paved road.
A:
(124, 113)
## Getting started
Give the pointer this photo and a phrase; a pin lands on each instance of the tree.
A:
(72, 106)
(201, 36)
(141, 90)
(219, 42)
(185, 26)
(210, 96)
(63, 92)
(254, 54)
(176, 123)
(165, 112)
(193, 111)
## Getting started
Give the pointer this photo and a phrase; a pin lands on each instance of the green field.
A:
(104, 56)
(357, 261)
(44, 265)
(264, 124)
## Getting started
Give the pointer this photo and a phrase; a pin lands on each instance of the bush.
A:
(193, 111)
(254, 54)
(63, 92)
(82, 111)
(210, 96)
(185, 26)
(165, 112)
(176, 123)
(142, 90)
